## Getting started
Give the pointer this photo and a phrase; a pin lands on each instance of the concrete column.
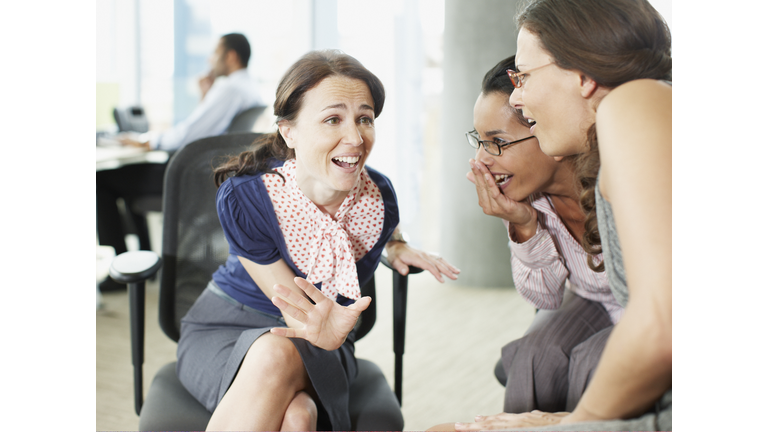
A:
(478, 34)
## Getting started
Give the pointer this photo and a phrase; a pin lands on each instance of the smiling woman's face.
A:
(553, 98)
(332, 136)
(521, 169)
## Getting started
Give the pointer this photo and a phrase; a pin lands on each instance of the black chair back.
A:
(244, 121)
(193, 241)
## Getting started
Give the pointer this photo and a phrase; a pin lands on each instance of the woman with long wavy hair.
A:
(594, 75)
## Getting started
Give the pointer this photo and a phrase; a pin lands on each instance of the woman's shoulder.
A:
(254, 179)
(635, 95)
(634, 129)
(245, 192)
(238, 183)
(633, 107)
(382, 181)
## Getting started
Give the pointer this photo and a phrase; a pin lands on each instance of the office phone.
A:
(131, 119)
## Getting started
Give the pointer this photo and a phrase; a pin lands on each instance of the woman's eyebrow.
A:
(343, 105)
(338, 105)
(495, 132)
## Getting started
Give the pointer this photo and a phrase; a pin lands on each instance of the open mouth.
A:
(532, 122)
(346, 161)
(502, 180)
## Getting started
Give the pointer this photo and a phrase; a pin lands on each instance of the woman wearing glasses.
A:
(537, 199)
(591, 75)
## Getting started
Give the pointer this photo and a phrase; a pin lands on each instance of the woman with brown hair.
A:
(537, 199)
(304, 218)
(592, 75)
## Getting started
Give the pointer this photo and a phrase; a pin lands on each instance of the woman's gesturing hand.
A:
(494, 202)
(400, 256)
(326, 323)
(511, 421)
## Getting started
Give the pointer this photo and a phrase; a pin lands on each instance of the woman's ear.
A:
(284, 129)
(588, 86)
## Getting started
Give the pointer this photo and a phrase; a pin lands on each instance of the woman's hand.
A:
(326, 323)
(497, 204)
(400, 255)
(511, 421)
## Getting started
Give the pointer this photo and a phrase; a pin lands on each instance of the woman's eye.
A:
(333, 120)
(500, 141)
(366, 120)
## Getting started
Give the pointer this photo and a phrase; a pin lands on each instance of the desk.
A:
(115, 157)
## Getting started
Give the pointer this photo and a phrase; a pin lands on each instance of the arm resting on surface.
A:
(400, 256)
(634, 127)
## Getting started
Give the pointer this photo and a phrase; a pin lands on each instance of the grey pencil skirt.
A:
(216, 334)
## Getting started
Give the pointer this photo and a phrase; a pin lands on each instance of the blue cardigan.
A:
(252, 230)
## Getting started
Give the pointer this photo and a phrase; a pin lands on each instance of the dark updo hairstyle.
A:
(496, 80)
(303, 76)
(612, 42)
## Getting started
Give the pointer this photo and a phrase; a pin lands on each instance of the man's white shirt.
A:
(227, 97)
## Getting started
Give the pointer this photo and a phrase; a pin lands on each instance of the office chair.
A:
(193, 247)
(139, 207)
(244, 121)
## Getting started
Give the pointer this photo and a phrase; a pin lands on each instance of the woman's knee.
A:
(541, 342)
(301, 413)
(273, 356)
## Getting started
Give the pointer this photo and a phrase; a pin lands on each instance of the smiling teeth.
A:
(348, 159)
(531, 121)
(501, 178)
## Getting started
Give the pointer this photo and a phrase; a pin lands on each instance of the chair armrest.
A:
(134, 268)
(411, 269)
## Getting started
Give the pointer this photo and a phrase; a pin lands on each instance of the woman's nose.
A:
(484, 157)
(515, 99)
(352, 135)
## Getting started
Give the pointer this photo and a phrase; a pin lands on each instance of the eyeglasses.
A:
(490, 146)
(518, 78)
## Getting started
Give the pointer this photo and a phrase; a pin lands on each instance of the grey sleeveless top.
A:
(609, 238)
(612, 257)
(661, 418)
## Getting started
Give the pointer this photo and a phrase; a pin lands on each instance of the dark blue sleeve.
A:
(367, 265)
(247, 219)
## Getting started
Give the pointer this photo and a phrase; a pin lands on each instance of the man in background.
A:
(221, 101)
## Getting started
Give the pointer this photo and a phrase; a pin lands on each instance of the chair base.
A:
(169, 406)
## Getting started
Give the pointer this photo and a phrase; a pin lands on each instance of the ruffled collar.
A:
(320, 246)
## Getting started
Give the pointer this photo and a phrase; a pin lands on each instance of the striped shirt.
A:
(552, 260)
